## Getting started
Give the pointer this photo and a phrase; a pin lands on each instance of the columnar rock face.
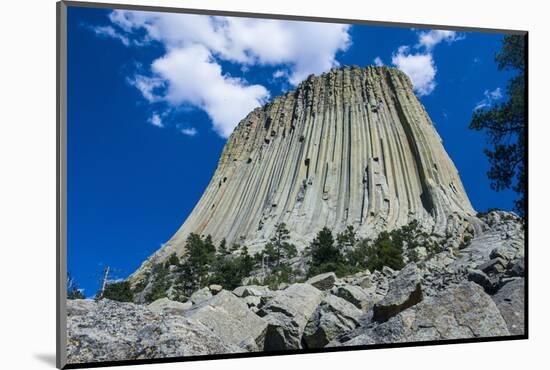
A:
(353, 146)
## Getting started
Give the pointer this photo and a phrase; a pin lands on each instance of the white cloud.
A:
(156, 120)
(494, 95)
(419, 67)
(307, 47)
(190, 72)
(147, 86)
(189, 131)
(279, 73)
(490, 98)
(378, 62)
(193, 77)
(429, 39)
(109, 31)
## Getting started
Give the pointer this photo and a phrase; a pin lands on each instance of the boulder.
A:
(510, 302)
(504, 252)
(164, 305)
(359, 340)
(252, 301)
(463, 311)
(495, 265)
(355, 295)
(323, 281)
(388, 271)
(215, 288)
(200, 295)
(287, 314)
(481, 278)
(333, 317)
(404, 291)
(254, 290)
(115, 331)
(230, 319)
(77, 307)
(517, 268)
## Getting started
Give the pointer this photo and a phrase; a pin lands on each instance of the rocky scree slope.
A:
(473, 292)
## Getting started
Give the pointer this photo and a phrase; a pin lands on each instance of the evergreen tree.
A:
(325, 255)
(118, 291)
(385, 252)
(278, 247)
(504, 124)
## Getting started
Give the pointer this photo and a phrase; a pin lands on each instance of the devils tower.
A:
(353, 146)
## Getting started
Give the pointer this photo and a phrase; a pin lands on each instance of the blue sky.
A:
(152, 98)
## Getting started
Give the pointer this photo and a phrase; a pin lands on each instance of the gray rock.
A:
(518, 268)
(481, 278)
(495, 265)
(356, 295)
(287, 314)
(323, 281)
(359, 340)
(200, 295)
(388, 272)
(506, 253)
(77, 307)
(115, 331)
(215, 288)
(252, 301)
(404, 291)
(229, 318)
(333, 317)
(464, 311)
(164, 305)
(510, 302)
(253, 290)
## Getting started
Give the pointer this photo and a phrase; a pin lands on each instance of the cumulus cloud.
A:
(191, 73)
(429, 39)
(490, 98)
(378, 62)
(156, 120)
(420, 67)
(419, 64)
(193, 77)
(189, 131)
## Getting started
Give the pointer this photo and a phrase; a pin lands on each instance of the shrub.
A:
(385, 252)
(73, 291)
(326, 256)
(119, 291)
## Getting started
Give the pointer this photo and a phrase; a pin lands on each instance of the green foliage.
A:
(73, 291)
(347, 239)
(278, 275)
(173, 260)
(326, 256)
(466, 241)
(504, 125)
(323, 250)
(278, 248)
(159, 283)
(119, 291)
(229, 272)
(385, 252)
(411, 237)
(199, 256)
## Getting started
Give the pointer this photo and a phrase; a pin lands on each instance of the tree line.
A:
(203, 263)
